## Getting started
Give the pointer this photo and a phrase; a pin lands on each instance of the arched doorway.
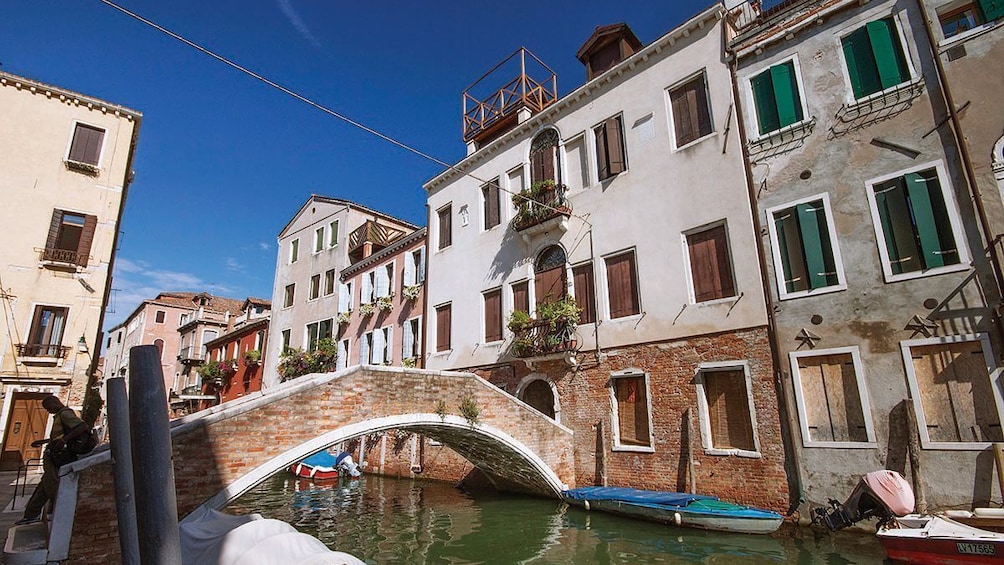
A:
(540, 396)
(550, 281)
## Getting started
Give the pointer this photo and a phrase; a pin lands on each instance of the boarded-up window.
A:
(610, 153)
(582, 283)
(443, 329)
(445, 215)
(622, 285)
(490, 200)
(521, 296)
(832, 400)
(956, 393)
(493, 315)
(710, 264)
(86, 144)
(632, 410)
(70, 237)
(728, 410)
(691, 116)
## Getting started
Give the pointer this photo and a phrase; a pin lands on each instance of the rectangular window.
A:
(333, 233)
(319, 239)
(915, 223)
(315, 287)
(387, 345)
(955, 400)
(70, 237)
(490, 202)
(582, 285)
(414, 267)
(289, 295)
(294, 251)
(691, 113)
(317, 331)
(46, 336)
(329, 282)
(411, 346)
(345, 297)
(160, 317)
(611, 158)
(368, 290)
(874, 57)
(958, 18)
(829, 391)
(804, 241)
(630, 392)
(776, 98)
(445, 216)
(521, 296)
(725, 404)
(710, 264)
(443, 327)
(366, 349)
(343, 355)
(622, 285)
(493, 315)
(86, 144)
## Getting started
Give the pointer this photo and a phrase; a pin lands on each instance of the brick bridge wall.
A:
(222, 452)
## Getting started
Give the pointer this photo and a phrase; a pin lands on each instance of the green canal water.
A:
(385, 520)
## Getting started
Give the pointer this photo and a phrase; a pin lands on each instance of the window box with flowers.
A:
(252, 357)
(217, 373)
(385, 303)
(411, 292)
(367, 309)
(542, 201)
(344, 317)
(295, 363)
(552, 331)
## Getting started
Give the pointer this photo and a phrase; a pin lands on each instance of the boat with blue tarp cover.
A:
(681, 509)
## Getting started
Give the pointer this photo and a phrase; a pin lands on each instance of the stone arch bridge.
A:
(223, 452)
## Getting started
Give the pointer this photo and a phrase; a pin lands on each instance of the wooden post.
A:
(999, 463)
(913, 445)
(690, 452)
(601, 453)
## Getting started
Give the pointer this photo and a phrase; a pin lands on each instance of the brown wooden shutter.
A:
(537, 170)
(550, 285)
(491, 196)
(710, 265)
(582, 281)
(446, 227)
(632, 410)
(615, 146)
(86, 238)
(728, 408)
(690, 111)
(54, 225)
(86, 145)
(549, 159)
(443, 330)
(521, 296)
(622, 282)
(493, 316)
(602, 153)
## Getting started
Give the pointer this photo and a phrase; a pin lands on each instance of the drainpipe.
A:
(788, 433)
(967, 164)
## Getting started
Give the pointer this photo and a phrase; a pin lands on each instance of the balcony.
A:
(369, 238)
(540, 208)
(52, 255)
(191, 355)
(540, 340)
(43, 352)
(490, 112)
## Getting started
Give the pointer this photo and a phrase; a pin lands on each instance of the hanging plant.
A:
(252, 357)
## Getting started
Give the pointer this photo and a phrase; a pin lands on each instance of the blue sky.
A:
(224, 161)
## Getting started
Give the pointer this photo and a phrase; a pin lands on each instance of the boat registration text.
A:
(977, 548)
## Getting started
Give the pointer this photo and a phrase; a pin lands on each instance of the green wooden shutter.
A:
(923, 217)
(789, 108)
(992, 9)
(766, 107)
(784, 248)
(812, 244)
(861, 63)
(897, 229)
(888, 58)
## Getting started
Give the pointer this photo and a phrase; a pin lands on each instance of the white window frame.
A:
(707, 441)
(510, 208)
(417, 337)
(333, 230)
(689, 271)
(859, 376)
(594, 155)
(839, 36)
(312, 292)
(101, 151)
(334, 287)
(782, 292)
(285, 339)
(615, 417)
(484, 316)
(587, 160)
(482, 201)
(918, 408)
(751, 100)
(439, 244)
(531, 291)
(344, 363)
(294, 250)
(952, 207)
(319, 240)
(285, 291)
(672, 119)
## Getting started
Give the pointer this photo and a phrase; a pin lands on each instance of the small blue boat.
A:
(680, 509)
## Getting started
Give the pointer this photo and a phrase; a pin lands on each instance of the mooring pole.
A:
(125, 492)
(153, 467)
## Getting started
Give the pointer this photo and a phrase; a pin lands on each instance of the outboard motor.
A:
(880, 494)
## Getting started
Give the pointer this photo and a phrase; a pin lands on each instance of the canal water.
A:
(386, 520)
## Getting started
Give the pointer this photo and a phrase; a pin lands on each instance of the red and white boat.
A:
(323, 466)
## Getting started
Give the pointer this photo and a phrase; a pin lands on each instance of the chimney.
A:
(607, 46)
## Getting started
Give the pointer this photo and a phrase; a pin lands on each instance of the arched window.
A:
(550, 281)
(544, 164)
(160, 347)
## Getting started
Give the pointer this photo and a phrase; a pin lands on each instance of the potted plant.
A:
(344, 317)
(367, 309)
(385, 303)
(252, 357)
(411, 292)
(518, 321)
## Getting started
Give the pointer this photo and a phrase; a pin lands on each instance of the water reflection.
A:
(383, 520)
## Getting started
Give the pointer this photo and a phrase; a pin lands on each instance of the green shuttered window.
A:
(874, 57)
(775, 95)
(915, 223)
(992, 9)
(803, 239)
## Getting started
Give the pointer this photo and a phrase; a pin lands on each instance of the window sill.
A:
(840, 444)
(733, 453)
(813, 292)
(60, 266)
(633, 448)
(628, 318)
(950, 446)
(965, 36)
(717, 301)
(789, 133)
(690, 144)
(41, 361)
(85, 168)
(891, 278)
(883, 97)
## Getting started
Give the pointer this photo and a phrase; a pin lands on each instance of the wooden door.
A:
(26, 424)
(550, 285)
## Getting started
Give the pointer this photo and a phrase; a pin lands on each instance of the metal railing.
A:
(540, 338)
(537, 206)
(21, 486)
(191, 353)
(55, 255)
(53, 350)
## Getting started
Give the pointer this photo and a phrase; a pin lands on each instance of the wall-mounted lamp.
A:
(82, 345)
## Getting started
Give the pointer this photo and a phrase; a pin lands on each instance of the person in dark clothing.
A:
(66, 427)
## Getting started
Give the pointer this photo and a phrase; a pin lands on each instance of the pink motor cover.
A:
(892, 489)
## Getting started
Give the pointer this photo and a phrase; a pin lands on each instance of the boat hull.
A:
(305, 471)
(940, 540)
(680, 516)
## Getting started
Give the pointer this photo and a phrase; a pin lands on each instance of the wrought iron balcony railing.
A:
(540, 204)
(54, 255)
(541, 338)
(191, 355)
(53, 350)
